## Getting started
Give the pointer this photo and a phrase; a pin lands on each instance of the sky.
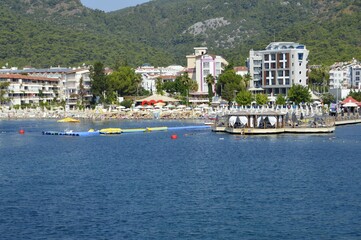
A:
(111, 5)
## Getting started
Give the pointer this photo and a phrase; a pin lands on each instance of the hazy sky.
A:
(111, 5)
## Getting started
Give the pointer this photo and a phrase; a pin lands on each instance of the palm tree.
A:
(159, 85)
(137, 81)
(210, 80)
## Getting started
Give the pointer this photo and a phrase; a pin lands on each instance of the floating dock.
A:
(117, 131)
(71, 133)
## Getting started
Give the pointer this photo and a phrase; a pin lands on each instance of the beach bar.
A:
(272, 122)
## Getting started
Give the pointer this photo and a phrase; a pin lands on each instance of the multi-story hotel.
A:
(150, 74)
(71, 85)
(277, 68)
(31, 86)
(201, 64)
(25, 89)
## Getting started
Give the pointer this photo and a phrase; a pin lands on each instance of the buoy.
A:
(21, 131)
(174, 136)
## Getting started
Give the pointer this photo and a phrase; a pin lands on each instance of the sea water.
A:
(202, 185)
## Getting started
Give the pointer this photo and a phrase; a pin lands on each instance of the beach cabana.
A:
(349, 100)
(155, 98)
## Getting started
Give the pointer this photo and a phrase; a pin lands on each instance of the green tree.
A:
(188, 83)
(210, 80)
(244, 98)
(3, 90)
(319, 79)
(81, 92)
(98, 81)
(123, 82)
(280, 100)
(230, 83)
(327, 98)
(159, 86)
(355, 95)
(299, 94)
(261, 98)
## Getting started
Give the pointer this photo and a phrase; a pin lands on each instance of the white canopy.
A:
(157, 98)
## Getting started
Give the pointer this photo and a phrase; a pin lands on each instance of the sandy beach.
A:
(103, 114)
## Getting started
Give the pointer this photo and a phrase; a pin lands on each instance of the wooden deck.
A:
(260, 131)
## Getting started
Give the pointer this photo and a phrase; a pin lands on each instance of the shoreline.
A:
(95, 115)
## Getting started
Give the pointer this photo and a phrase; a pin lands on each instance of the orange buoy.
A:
(21, 131)
(174, 136)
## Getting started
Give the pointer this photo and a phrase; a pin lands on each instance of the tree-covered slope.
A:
(161, 32)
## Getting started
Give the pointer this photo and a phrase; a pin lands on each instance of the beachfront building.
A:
(25, 89)
(55, 83)
(150, 74)
(345, 76)
(355, 76)
(241, 70)
(277, 68)
(75, 87)
(200, 64)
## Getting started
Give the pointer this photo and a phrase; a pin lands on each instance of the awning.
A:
(156, 98)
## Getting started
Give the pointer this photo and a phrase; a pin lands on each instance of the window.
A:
(266, 65)
(266, 57)
(287, 81)
(273, 57)
(300, 56)
(206, 65)
(273, 65)
(357, 73)
(280, 73)
(280, 81)
(300, 80)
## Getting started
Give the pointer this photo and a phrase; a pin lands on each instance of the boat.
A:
(68, 120)
(110, 131)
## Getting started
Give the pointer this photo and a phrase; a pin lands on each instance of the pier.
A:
(275, 122)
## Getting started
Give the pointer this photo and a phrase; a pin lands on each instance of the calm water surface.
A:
(202, 185)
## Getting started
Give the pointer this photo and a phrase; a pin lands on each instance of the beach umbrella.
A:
(170, 106)
(159, 104)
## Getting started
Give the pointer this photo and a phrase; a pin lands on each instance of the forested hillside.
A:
(162, 32)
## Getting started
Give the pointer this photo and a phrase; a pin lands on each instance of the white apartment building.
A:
(277, 68)
(339, 77)
(345, 76)
(150, 74)
(25, 89)
(355, 76)
(70, 85)
(200, 64)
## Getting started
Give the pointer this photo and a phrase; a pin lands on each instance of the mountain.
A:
(163, 32)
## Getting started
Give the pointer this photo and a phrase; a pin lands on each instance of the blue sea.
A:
(202, 185)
